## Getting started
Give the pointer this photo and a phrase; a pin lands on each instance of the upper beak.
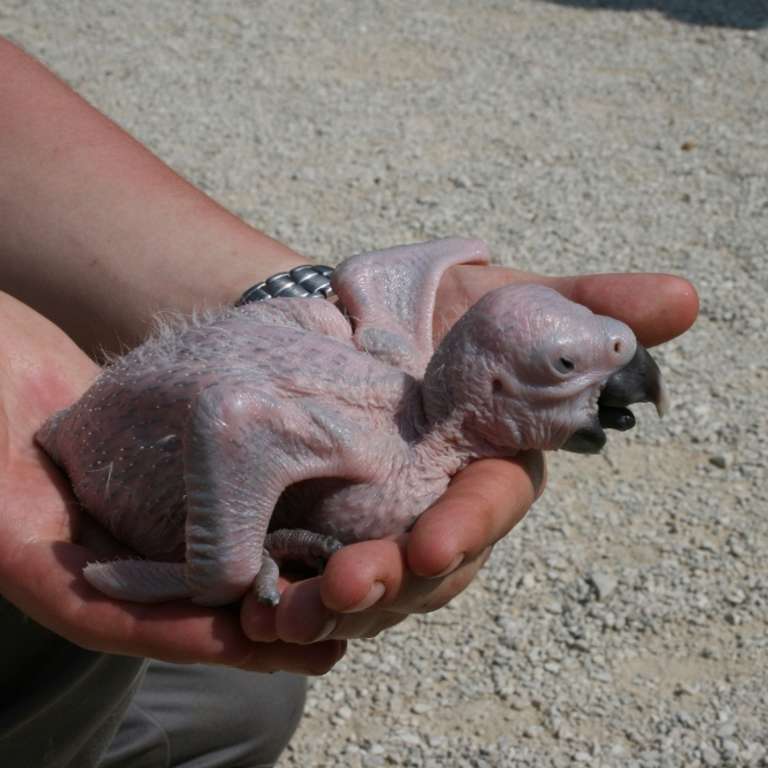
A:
(639, 381)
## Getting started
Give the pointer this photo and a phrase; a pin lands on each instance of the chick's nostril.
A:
(618, 342)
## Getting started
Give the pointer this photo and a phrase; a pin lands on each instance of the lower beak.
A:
(639, 381)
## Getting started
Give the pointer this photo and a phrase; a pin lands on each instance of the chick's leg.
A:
(241, 451)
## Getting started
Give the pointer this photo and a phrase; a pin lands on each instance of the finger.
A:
(302, 617)
(374, 577)
(416, 595)
(367, 624)
(657, 307)
(312, 660)
(439, 591)
(483, 503)
(363, 575)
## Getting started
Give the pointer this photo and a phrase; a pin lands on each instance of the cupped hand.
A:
(372, 585)
(45, 539)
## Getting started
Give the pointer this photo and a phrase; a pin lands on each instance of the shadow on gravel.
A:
(740, 14)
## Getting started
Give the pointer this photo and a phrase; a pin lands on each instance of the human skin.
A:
(98, 235)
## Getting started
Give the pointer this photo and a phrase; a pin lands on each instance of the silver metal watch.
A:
(306, 282)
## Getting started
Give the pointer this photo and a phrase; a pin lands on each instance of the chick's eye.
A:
(564, 365)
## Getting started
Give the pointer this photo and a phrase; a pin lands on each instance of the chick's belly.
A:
(352, 513)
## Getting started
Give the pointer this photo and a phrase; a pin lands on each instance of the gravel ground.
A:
(624, 622)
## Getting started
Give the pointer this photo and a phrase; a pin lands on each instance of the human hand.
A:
(372, 585)
(45, 539)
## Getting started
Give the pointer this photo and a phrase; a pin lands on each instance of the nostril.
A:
(617, 346)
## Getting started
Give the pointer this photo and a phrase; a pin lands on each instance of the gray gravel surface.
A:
(624, 622)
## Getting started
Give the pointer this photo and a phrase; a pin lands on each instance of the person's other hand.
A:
(45, 539)
(372, 585)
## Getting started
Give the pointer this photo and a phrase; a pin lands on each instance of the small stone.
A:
(730, 748)
(580, 645)
(609, 620)
(709, 756)
(344, 713)
(736, 597)
(753, 752)
(460, 182)
(726, 730)
(685, 719)
(529, 581)
(420, 708)
(603, 583)
(720, 460)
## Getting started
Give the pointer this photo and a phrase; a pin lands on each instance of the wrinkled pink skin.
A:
(284, 414)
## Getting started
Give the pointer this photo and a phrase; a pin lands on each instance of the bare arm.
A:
(95, 232)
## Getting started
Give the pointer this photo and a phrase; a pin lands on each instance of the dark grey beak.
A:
(639, 381)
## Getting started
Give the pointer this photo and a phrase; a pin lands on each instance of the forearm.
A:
(96, 232)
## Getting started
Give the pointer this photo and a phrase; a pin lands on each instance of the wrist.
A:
(226, 262)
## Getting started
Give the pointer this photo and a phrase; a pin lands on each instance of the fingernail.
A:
(326, 631)
(455, 563)
(374, 595)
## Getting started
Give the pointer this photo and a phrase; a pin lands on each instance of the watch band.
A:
(306, 281)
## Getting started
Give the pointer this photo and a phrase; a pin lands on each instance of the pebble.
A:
(730, 748)
(604, 584)
(736, 597)
(710, 756)
(720, 460)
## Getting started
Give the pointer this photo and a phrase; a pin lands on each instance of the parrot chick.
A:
(287, 428)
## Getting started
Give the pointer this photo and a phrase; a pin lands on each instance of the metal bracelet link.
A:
(306, 281)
